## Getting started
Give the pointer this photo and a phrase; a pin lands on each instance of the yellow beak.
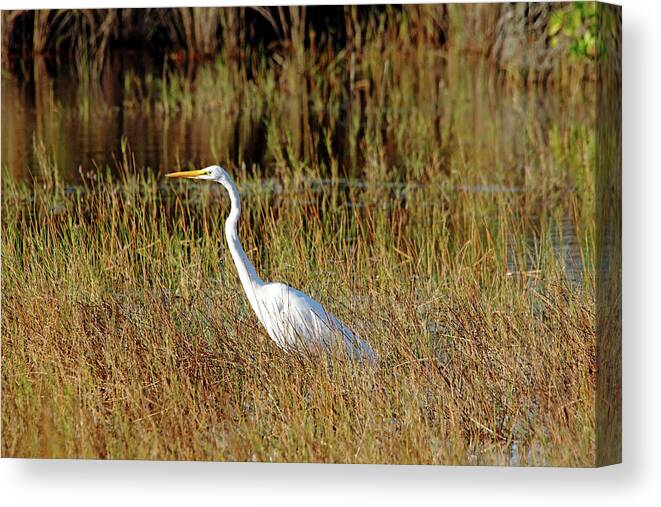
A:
(186, 174)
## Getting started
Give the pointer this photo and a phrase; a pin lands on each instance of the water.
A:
(83, 124)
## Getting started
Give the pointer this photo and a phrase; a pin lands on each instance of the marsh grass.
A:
(126, 333)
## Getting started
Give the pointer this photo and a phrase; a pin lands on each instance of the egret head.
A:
(212, 173)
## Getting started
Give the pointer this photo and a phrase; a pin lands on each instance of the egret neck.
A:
(247, 274)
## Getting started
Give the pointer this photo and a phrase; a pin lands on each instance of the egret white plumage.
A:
(291, 318)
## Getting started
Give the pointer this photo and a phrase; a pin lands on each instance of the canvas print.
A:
(320, 234)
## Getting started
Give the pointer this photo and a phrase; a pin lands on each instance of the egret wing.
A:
(294, 319)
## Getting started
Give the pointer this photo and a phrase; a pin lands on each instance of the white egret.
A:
(291, 318)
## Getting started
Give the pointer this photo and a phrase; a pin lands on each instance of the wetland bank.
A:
(434, 194)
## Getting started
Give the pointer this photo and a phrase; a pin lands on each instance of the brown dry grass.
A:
(126, 334)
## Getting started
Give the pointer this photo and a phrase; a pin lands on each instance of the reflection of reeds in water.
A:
(393, 112)
(392, 94)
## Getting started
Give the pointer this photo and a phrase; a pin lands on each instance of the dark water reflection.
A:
(82, 123)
